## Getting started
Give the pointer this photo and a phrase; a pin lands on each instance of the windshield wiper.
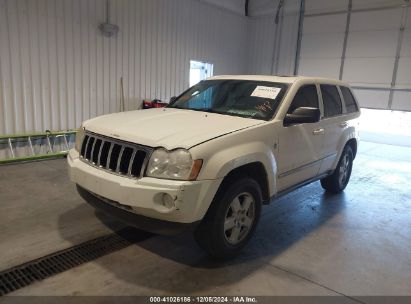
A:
(208, 110)
(199, 110)
(175, 107)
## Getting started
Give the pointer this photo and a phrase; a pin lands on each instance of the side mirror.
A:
(302, 115)
(172, 99)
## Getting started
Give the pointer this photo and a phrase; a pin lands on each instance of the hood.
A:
(167, 127)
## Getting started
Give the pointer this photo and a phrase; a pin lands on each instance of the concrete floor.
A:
(357, 243)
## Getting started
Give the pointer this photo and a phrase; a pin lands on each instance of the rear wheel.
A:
(337, 182)
(231, 219)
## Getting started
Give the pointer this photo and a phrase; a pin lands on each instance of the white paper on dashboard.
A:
(266, 92)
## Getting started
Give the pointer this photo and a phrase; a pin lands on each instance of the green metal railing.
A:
(29, 142)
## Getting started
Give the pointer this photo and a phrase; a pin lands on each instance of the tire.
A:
(336, 182)
(229, 223)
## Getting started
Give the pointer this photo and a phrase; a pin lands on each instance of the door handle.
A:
(343, 124)
(318, 131)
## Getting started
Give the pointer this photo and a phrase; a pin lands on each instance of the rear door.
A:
(300, 145)
(333, 123)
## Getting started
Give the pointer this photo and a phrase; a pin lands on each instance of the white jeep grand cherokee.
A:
(217, 153)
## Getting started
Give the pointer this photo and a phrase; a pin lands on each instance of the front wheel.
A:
(231, 220)
(337, 182)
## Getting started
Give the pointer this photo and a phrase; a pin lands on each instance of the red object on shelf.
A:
(156, 103)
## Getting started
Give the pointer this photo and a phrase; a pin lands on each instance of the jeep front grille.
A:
(115, 156)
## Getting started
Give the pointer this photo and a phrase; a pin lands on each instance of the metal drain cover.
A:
(42, 268)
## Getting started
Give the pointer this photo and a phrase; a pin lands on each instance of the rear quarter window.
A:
(331, 100)
(349, 100)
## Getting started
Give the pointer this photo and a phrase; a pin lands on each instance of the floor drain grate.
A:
(42, 268)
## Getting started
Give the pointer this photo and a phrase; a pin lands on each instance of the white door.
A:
(300, 145)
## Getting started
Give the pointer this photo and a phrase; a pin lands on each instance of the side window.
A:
(349, 100)
(331, 99)
(306, 97)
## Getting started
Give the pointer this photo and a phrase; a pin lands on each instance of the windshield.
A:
(244, 98)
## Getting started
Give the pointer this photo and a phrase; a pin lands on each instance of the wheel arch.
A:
(352, 142)
(254, 170)
(349, 137)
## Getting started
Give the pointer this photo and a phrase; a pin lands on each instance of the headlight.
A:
(177, 164)
(79, 138)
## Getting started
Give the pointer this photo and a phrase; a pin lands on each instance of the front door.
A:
(300, 145)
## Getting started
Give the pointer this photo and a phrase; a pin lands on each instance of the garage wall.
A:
(402, 96)
(272, 47)
(237, 6)
(261, 39)
(322, 40)
(364, 43)
(57, 69)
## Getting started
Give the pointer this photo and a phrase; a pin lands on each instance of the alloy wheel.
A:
(344, 170)
(239, 218)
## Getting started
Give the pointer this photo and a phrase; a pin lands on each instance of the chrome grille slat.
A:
(130, 166)
(109, 156)
(143, 167)
(99, 153)
(119, 159)
(123, 161)
(92, 151)
(84, 146)
(85, 149)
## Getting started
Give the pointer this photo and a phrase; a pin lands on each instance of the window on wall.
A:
(200, 70)
(331, 100)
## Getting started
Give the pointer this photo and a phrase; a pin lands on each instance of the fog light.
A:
(167, 201)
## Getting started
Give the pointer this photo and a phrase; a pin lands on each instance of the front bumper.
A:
(145, 223)
(191, 199)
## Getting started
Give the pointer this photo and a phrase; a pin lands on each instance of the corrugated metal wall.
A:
(272, 46)
(261, 39)
(57, 69)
